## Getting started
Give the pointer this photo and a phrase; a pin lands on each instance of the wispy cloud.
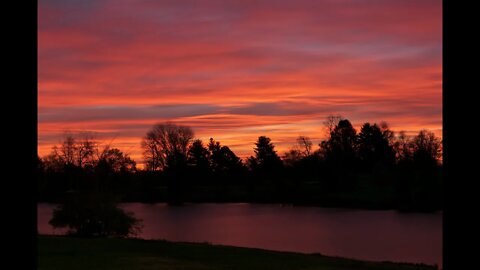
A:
(236, 69)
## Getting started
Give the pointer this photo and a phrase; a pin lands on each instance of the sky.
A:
(236, 70)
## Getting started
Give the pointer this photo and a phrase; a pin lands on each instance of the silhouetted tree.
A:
(166, 145)
(78, 164)
(198, 162)
(68, 149)
(305, 144)
(374, 146)
(94, 214)
(302, 165)
(223, 160)
(426, 148)
(331, 122)
(419, 180)
(345, 168)
(113, 171)
(40, 165)
(73, 152)
(388, 134)
(198, 156)
(166, 148)
(341, 145)
(292, 157)
(339, 152)
(54, 162)
(301, 150)
(86, 151)
(72, 161)
(402, 148)
(266, 158)
(114, 160)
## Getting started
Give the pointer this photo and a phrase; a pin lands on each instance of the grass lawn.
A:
(65, 253)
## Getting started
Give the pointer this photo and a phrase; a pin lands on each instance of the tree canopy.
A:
(266, 158)
(166, 145)
(390, 167)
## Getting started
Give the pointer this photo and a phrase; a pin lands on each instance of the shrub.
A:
(93, 214)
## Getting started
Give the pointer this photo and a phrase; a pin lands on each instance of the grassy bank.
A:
(74, 253)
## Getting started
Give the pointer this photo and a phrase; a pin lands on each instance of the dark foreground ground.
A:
(75, 253)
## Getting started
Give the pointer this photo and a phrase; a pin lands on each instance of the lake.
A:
(359, 234)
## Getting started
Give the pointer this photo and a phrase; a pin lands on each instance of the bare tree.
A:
(73, 151)
(54, 161)
(305, 145)
(86, 151)
(387, 133)
(331, 122)
(166, 144)
(292, 156)
(115, 160)
(68, 149)
(402, 146)
(152, 152)
(426, 146)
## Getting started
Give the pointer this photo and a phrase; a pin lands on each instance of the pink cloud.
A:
(235, 70)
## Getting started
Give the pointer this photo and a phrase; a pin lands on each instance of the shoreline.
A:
(326, 206)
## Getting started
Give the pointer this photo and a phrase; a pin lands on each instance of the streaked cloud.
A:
(235, 70)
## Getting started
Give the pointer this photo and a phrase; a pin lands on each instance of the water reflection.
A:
(368, 235)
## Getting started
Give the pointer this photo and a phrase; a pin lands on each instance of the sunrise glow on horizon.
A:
(236, 70)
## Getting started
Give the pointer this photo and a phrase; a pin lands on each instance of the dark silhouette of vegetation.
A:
(94, 214)
(224, 163)
(339, 152)
(266, 159)
(375, 146)
(166, 148)
(266, 182)
(81, 176)
(199, 158)
(369, 168)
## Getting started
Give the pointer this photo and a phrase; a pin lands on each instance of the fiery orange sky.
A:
(235, 70)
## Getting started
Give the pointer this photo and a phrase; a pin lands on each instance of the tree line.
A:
(371, 168)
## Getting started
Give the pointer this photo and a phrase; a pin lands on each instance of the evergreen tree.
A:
(266, 158)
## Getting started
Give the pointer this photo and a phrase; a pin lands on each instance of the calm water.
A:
(360, 234)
